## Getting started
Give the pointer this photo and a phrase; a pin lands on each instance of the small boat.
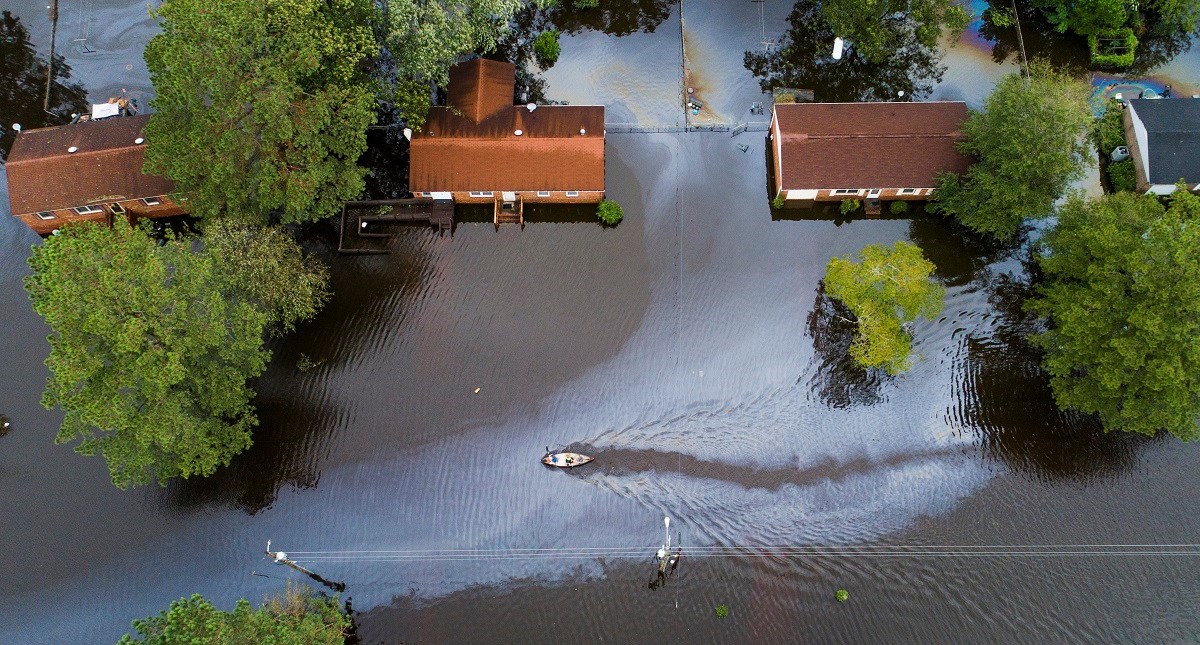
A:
(564, 459)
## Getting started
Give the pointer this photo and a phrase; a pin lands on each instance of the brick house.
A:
(480, 148)
(88, 171)
(828, 152)
(1164, 141)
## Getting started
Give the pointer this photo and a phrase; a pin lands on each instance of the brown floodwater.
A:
(689, 349)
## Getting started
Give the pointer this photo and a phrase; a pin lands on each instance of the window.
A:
(87, 210)
(543, 193)
(909, 191)
(480, 193)
(116, 208)
(45, 215)
(151, 201)
(845, 191)
(572, 193)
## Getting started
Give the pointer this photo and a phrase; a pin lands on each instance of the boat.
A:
(564, 459)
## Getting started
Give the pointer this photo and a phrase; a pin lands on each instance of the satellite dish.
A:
(837, 48)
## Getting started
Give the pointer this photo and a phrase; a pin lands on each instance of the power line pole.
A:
(50, 61)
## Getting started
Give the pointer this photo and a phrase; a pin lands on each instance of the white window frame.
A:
(543, 193)
(909, 191)
(843, 192)
(116, 208)
(151, 201)
(572, 193)
(87, 210)
(480, 193)
(46, 215)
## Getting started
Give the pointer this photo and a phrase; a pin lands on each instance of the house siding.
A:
(1137, 139)
(886, 194)
(134, 210)
(531, 197)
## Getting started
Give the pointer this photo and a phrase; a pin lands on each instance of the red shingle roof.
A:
(869, 145)
(106, 166)
(472, 143)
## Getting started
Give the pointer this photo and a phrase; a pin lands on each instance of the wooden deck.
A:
(365, 226)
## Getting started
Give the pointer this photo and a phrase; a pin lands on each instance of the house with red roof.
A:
(86, 171)
(480, 148)
(829, 152)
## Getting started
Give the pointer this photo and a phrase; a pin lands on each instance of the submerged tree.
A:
(1029, 147)
(1122, 297)
(153, 343)
(886, 291)
(262, 106)
(23, 84)
(297, 617)
(803, 60)
(878, 28)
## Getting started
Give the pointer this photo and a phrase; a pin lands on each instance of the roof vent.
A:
(139, 141)
(72, 149)
(582, 131)
(531, 107)
(518, 132)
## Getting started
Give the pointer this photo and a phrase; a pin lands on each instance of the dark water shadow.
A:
(613, 17)
(1005, 400)
(386, 161)
(958, 255)
(1157, 46)
(839, 382)
(803, 60)
(23, 85)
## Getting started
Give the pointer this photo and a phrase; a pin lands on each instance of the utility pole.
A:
(281, 558)
(50, 61)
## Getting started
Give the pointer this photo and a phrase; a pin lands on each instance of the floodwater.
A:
(688, 348)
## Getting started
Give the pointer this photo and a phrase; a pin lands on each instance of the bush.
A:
(778, 201)
(722, 611)
(898, 207)
(1121, 174)
(842, 595)
(1116, 50)
(585, 4)
(1109, 131)
(546, 47)
(849, 206)
(610, 212)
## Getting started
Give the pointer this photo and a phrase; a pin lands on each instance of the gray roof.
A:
(1173, 138)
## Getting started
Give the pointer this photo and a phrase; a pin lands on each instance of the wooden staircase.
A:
(508, 211)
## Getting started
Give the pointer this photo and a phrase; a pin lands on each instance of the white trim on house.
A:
(87, 210)
(1143, 142)
(572, 193)
(480, 193)
(46, 215)
(151, 201)
(437, 195)
(806, 193)
(543, 193)
(908, 191)
(845, 192)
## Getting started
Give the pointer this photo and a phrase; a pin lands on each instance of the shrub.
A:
(1113, 47)
(842, 595)
(610, 212)
(898, 207)
(585, 4)
(849, 206)
(1121, 174)
(722, 611)
(546, 47)
(1109, 131)
(778, 201)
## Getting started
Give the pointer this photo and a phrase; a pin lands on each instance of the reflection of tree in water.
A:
(23, 84)
(517, 47)
(1069, 51)
(839, 381)
(386, 161)
(803, 60)
(613, 17)
(370, 293)
(956, 252)
(1005, 399)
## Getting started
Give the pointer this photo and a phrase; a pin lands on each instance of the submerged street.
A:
(688, 350)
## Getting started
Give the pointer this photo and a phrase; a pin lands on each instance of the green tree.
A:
(298, 617)
(886, 291)
(153, 343)
(1029, 149)
(1121, 295)
(262, 106)
(610, 212)
(426, 37)
(546, 47)
(878, 28)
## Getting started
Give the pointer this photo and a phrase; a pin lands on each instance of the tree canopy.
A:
(1029, 147)
(261, 106)
(879, 28)
(888, 289)
(153, 343)
(1121, 295)
(298, 617)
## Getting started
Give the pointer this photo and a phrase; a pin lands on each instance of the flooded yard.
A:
(689, 349)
